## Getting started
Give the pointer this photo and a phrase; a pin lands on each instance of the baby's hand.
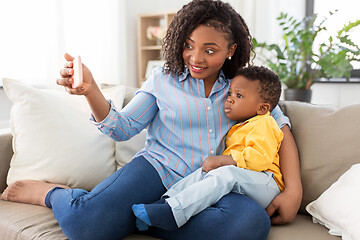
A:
(213, 162)
(66, 79)
(210, 163)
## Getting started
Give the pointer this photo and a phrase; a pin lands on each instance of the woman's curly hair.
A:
(210, 13)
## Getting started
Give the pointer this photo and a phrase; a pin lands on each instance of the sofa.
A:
(328, 143)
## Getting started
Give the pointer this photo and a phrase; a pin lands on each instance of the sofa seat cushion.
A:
(24, 221)
(302, 228)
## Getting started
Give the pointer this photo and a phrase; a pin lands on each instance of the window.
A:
(35, 35)
(347, 11)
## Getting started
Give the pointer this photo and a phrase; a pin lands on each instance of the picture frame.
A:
(151, 64)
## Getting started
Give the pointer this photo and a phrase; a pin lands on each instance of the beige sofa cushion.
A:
(302, 228)
(54, 140)
(328, 139)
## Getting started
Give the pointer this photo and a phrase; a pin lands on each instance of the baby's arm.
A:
(214, 162)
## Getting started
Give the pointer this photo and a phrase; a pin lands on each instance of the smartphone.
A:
(78, 73)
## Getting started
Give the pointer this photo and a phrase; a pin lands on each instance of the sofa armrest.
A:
(6, 153)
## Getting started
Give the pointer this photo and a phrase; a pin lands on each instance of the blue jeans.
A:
(105, 212)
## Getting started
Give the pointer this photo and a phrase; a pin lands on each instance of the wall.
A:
(339, 94)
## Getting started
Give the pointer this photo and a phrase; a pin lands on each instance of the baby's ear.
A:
(263, 108)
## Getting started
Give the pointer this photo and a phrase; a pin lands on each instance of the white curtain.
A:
(35, 35)
(260, 16)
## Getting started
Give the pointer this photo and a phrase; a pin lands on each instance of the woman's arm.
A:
(119, 125)
(287, 203)
(100, 107)
(134, 117)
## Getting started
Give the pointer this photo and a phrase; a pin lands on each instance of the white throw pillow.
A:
(126, 150)
(53, 139)
(338, 208)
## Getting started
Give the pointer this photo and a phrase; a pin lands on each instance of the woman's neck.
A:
(208, 85)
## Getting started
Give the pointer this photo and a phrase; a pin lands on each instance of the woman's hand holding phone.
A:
(75, 76)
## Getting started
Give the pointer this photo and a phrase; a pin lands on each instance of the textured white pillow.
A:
(53, 139)
(338, 208)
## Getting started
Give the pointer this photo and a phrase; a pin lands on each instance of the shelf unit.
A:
(149, 50)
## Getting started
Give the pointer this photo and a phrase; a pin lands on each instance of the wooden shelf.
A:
(150, 50)
(155, 47)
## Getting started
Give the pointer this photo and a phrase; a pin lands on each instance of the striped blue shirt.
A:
(184, 127)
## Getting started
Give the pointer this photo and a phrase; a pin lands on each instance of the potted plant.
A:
(298, 62)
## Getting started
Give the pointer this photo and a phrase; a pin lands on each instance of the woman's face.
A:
(205, 52)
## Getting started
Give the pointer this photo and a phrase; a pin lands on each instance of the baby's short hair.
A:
(270, 84)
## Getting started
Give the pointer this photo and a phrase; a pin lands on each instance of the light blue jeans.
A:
(200, 190)
(105, 212)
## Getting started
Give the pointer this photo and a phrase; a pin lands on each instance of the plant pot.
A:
(302, 95)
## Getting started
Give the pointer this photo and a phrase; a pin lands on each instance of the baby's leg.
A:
(235, 216)
(187, 202)
(160, 211)
(29, 191)
(259, 186)
(157, 214)
(187, 181)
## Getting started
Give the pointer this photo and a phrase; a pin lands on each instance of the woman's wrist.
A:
(100, 107)
(92, 89)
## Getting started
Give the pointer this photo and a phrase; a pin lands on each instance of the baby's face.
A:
(243, 99)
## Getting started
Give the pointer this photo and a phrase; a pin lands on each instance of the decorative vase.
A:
(302, 95)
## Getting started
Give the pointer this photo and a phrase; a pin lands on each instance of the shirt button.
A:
(210, 131)
(208, 108)
(212, 151)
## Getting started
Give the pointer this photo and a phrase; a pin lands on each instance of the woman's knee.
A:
(251, 219)
(234, 217)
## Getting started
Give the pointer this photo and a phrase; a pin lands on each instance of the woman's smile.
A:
(197, 69)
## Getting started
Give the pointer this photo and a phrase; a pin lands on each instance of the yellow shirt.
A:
(254, 145)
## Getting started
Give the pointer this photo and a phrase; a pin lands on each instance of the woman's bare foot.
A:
(29, 191)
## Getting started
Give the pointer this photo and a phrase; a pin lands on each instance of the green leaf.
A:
(348, 27)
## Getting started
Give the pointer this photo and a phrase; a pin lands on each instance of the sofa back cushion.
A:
(328, 140)
(53, 139)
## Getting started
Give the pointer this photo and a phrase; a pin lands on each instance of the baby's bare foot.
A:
(29, 191)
